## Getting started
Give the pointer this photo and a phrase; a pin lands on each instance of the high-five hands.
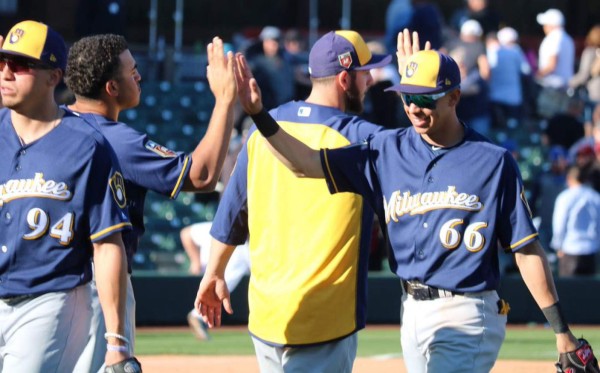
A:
(248, 90)
(220, 71)
(407, 48)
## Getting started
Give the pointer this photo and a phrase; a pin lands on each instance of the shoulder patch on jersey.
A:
(117, 185)
(160, 150)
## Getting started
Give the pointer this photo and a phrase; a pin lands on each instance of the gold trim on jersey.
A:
(109, 229)
(523, 240)
(180, 179)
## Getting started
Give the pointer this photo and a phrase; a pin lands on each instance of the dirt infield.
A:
(247, 364)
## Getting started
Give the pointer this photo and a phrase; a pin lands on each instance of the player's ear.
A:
(111, 88)
(344, 80)
(454, 97)
(56, 76)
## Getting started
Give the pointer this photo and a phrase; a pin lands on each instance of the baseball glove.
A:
(581, 360)
(131, 365)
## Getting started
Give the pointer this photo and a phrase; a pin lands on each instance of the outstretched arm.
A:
(298, 157)
(209, 155)
(213, 291)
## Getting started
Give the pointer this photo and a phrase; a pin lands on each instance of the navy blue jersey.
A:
(445, 210)
(311, 247)
(59, 194)
(145, 165)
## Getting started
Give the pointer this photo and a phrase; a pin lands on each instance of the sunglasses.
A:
(22, 65)
(422, 101)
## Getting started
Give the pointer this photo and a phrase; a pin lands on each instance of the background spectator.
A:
(473, 48)
(588, 74)
(473, 107)
(272, 70)
(557, 51)
(508, 67)
(296, 54)
(576, 226)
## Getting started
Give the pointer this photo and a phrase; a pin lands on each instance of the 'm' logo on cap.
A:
(345, 60)
(16, 35)
(411, 69)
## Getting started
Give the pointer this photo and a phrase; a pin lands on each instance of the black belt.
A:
(420, 291)
(14, 300)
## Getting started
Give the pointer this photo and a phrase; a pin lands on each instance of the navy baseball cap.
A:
(342, 50)
(428, 72)
(36, 41)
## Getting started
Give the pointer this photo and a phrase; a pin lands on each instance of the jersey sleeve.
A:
(230, 224)
(350, 169)
(149, 164)
(515, 226)
(105, 195)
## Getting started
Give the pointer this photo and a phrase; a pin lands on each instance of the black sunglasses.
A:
(22, 65)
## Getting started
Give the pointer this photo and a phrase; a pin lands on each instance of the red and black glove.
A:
(582, 360)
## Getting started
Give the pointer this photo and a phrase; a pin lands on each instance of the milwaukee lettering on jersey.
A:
(36, 187)
(405, 203)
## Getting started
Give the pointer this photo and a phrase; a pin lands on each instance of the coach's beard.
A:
(352, 100)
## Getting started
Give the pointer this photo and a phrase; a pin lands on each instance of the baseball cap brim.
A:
(377, 60)
(18, 54)
(418, 90)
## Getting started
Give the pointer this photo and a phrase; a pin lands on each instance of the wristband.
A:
(265, 123)
(556, 318)
(117, 336)
(117, 348)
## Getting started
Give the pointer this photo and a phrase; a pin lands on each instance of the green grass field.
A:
(521, 343)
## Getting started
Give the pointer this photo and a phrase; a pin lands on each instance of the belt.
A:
(420, 291)
(14, 300)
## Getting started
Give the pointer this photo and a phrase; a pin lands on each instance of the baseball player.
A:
(308, 249)
(102, 74)
(447, 197)
(62, 198)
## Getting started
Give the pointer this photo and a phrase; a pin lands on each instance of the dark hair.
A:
(93, 61)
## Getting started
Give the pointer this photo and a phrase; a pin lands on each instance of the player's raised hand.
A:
(220, 71)
(406, 47)
(248, 89)
(212, 293)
